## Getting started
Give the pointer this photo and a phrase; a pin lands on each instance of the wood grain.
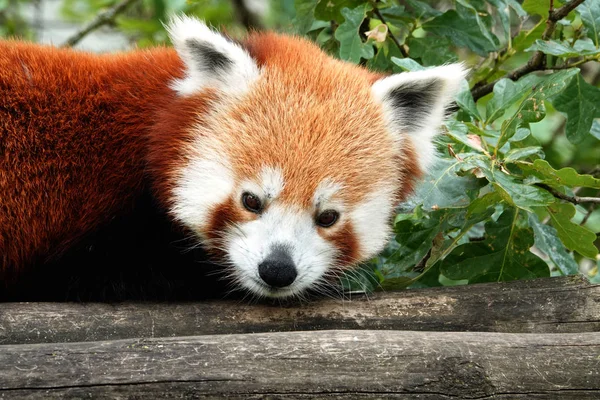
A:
(557, 305)
(338, 364)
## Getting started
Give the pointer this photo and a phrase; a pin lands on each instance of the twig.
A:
(538, 59)
(594, 171)
(101, 19)
(587, 215)
(390, 34)
(249, 19)
(571, 199)
(574, 64)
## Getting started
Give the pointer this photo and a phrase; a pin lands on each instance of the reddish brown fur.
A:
(72, 141)
(328, 93)
(223, 216)
(346, 243)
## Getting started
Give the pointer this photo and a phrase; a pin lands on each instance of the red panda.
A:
(284, 162)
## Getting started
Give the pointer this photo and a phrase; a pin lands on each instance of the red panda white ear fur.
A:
(415, 102)
(211, 59)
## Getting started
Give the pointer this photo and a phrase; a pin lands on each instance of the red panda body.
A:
(285, 163)
(73, 139)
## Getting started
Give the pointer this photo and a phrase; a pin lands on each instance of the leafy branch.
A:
(400, 47)
(570, 199)
(103, 18)
(538, 59)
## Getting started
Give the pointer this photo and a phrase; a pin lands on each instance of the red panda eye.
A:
(251, 202)
(327, 218)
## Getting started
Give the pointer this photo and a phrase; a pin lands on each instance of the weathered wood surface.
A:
(423, 365)
(557, 305)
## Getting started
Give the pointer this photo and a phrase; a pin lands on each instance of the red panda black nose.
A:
(278, 269)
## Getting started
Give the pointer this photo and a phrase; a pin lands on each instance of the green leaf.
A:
(304, 14)
(580, 101)
(363, 279)
(506, 94)
(484, 20)
(397, 283)
(458, 131)
(555, 83)
(518, 154)
(396, 13)
(521, 134)
(539, 7)
(525, 38)
(352, 48)
(465, 101)
(465, 220)
(547, 241)
(542, 170)
(532, 109)
(382, 60)
(583, 47)
(443, 187)
(595, 131)
(407, 64)
(483, 203)
(522, 196)
(590, 16)
(503, 256)
(463, 30)
(575, 237)
(504, 12)
(432, 50)
(415, 238)
(331, 10)
(518, 8)
(422, 10)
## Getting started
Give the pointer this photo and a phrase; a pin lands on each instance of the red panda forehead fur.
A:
(314, 118)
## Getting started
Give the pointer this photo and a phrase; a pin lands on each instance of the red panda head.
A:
(294, 161)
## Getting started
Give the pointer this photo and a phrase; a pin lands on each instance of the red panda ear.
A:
(211, 59)
(415, 102)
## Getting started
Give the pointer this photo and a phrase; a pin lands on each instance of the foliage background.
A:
(516, 190)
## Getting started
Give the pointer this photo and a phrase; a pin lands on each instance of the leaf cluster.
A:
(502, 202)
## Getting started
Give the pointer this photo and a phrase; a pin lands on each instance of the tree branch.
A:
(249, 19)
(538, 59)
(571, 199)
(390, 34)
(587, 215)
(101, 19)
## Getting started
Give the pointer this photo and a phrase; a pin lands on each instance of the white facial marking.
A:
(272, 181)
(279, 225)
(202, 184)
(419, 116)
(324, 196)
(371, 222)
(211, 60)
(268, 187)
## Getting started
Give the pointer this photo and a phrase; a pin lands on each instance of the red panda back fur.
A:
(73, 129)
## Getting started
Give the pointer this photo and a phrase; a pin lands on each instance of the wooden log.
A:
(338, 364)
(563, 305)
